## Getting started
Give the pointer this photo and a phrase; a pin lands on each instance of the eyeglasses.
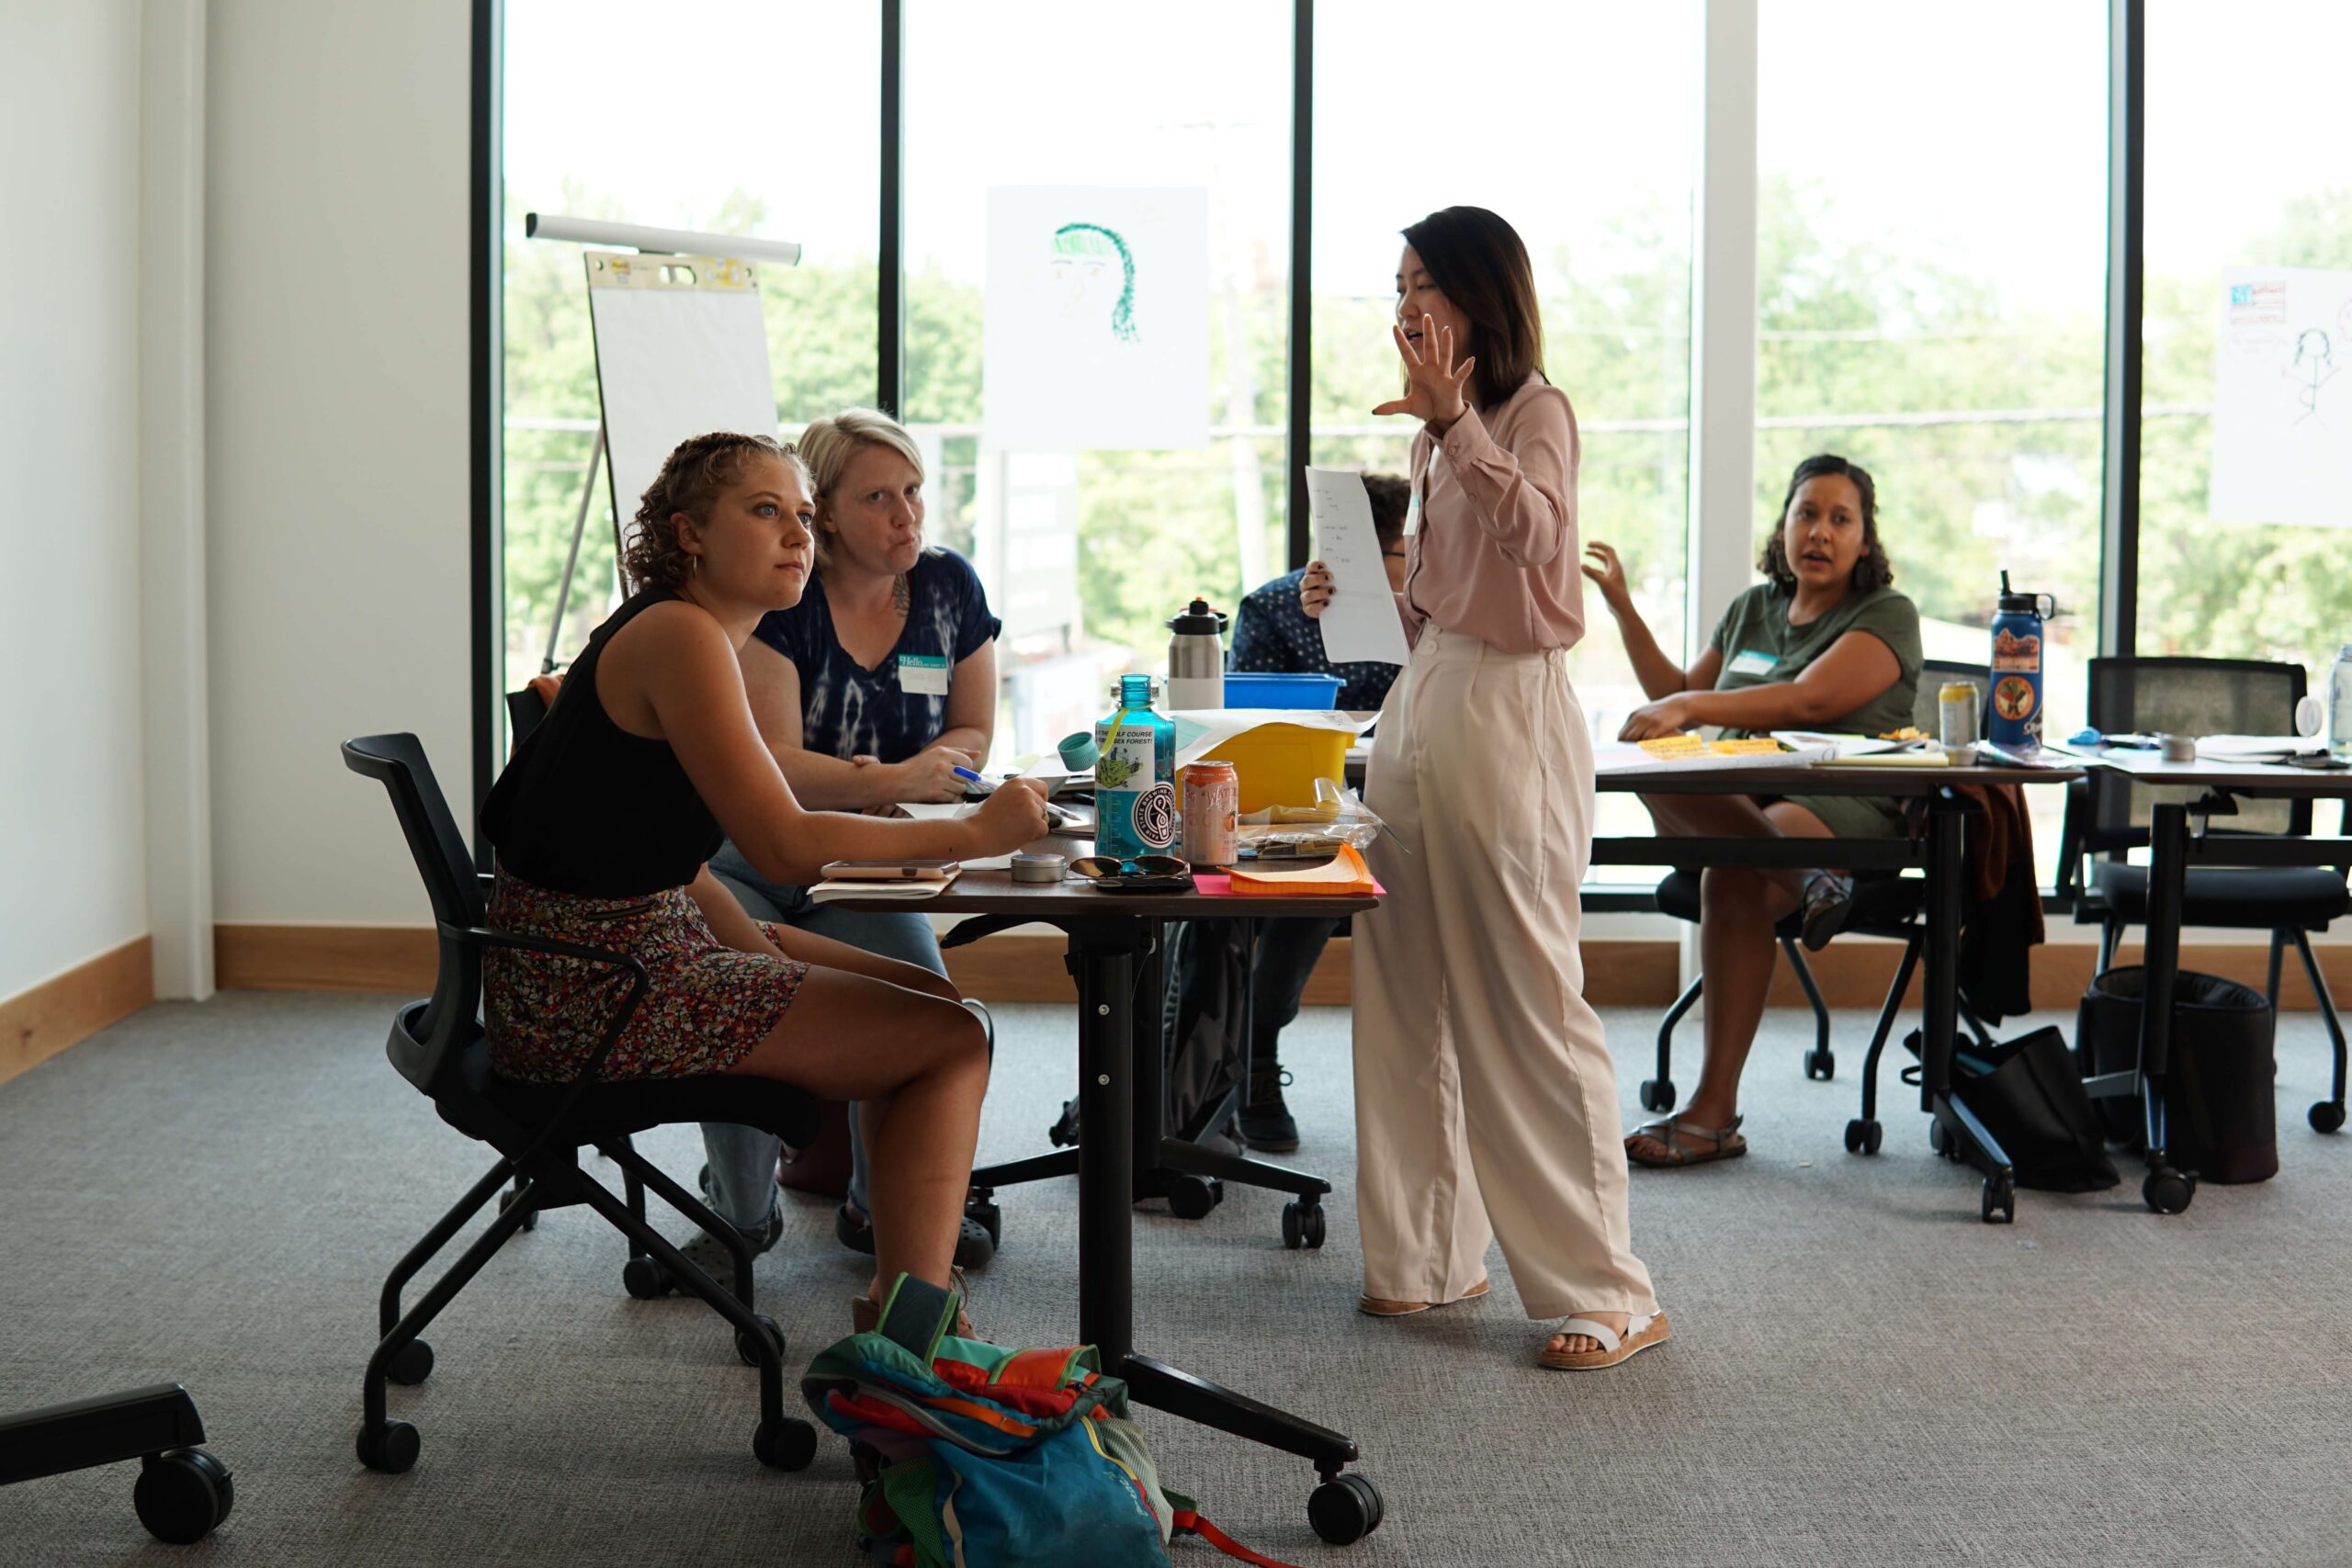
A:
(1097, 867)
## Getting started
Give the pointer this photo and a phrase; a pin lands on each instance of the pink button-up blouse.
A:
(1496, 553)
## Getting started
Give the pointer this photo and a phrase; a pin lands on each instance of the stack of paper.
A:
(846, 887)
(2258, 747)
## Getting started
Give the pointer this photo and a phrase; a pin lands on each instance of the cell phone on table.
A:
(891, 869)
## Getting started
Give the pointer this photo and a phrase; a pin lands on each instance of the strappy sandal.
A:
(1376, 1306)
(1827, 903)
(1641, 1331)
(1725, 1143)
(865, 1313)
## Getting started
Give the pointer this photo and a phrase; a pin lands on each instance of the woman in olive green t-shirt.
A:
(1825, 644)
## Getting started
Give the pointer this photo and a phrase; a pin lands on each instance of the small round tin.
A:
(1036, 867)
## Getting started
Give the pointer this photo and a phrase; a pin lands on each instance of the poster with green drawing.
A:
(1095, 331)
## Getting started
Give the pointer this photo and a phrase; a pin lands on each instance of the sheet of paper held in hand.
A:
(1360, 624)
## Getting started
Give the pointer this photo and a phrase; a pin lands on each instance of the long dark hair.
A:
(1482, 266)
(1873, 571)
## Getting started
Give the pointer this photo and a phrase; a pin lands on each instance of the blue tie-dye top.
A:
(847, 710)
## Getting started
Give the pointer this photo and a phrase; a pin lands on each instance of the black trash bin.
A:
(2220, 1108)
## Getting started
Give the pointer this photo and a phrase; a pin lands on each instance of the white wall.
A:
(71, 840)
(336, 408)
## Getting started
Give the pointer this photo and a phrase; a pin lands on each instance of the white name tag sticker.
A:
(1748, 662)
(922, 675)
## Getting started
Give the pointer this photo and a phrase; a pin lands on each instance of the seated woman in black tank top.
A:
(604, 818)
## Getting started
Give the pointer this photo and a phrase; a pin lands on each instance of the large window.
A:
(1087, 554)
(2246, 169)
(1932, 302)
(1592, 161)
(757, 119)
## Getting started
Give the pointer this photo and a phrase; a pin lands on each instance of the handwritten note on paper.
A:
(1360, 624)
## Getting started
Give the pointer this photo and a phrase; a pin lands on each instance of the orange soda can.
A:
(1212, 814)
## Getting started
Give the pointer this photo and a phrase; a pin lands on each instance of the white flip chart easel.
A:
(681, 350)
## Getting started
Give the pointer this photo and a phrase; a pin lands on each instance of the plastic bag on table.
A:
(1296, 832)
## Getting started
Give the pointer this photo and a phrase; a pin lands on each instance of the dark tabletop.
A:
(995, 893)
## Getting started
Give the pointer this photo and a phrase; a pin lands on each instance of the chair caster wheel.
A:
(1821, 1065)
(506, 1202)
(1302, 1225)
(1939, 1138)
(749, 1350)
(1657, 1095)
(389, 1448)
(182, 1494)
(645, 1279)
(1863, 1137)
(788, 1444)
(1345, 1508)
(2167, 1192)
(984, 1208)
(2000, 1201)
(1191, 1197)
(413, 1365)
(2327, 1116)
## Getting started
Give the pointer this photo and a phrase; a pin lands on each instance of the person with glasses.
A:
(1273, 635)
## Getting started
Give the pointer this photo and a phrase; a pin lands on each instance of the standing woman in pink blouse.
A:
(1486, 1100)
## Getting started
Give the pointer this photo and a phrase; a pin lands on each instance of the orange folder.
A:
(1345, 873)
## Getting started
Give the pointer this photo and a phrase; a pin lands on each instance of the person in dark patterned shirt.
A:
(1273, 635)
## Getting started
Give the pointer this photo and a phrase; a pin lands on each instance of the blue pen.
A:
(975, 780)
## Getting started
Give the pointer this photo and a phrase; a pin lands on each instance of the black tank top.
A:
(584, 806)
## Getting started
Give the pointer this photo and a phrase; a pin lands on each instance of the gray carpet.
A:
(1861, 1372)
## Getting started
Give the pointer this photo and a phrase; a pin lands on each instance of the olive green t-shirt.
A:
(1758, 645)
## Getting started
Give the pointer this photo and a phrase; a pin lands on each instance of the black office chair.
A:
(1887, 906)
(538, 1130)
(2105, 817)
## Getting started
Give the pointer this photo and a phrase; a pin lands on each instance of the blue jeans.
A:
(742, 1160)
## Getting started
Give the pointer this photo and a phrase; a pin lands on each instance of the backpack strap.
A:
(1188, 1521)
(916, 1316)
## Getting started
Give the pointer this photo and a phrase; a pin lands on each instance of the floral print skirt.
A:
(707, 1007)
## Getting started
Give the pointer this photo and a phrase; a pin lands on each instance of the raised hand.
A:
(1607, 572)
(1315, 590)
(1433, 382)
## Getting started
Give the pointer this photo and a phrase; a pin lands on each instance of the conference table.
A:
(1124, 1153)
(2186, 796)
(1955, 1129)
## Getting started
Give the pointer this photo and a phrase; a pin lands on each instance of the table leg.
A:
(1955, 1131)
(2165, 1189)
(1106, 1066)
(1115, 1051)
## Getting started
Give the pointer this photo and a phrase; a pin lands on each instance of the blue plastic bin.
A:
(1252, 689)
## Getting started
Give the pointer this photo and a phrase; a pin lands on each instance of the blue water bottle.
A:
(1135, 776)
(2017, 637)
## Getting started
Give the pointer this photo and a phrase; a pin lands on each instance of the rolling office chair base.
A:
(553, 1179)
(182, 1493)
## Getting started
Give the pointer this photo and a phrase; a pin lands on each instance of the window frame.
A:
(1723, 345)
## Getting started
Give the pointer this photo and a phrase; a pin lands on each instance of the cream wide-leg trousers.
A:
(1486, 1100)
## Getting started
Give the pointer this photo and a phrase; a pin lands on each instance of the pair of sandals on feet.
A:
(1581, 1343)
(1669, 1142)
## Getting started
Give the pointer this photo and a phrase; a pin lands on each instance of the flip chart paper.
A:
(1360, 624)
(2282, 400)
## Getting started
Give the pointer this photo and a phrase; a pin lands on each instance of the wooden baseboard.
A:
(324, 958)
(36, 1024)
(1026, 966)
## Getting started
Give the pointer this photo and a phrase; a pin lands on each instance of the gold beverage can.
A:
(1212, 814)
(1956, 715)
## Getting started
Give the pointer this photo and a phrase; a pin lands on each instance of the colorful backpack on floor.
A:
(980, 1457)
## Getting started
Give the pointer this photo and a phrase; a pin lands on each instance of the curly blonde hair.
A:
(692, 478)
